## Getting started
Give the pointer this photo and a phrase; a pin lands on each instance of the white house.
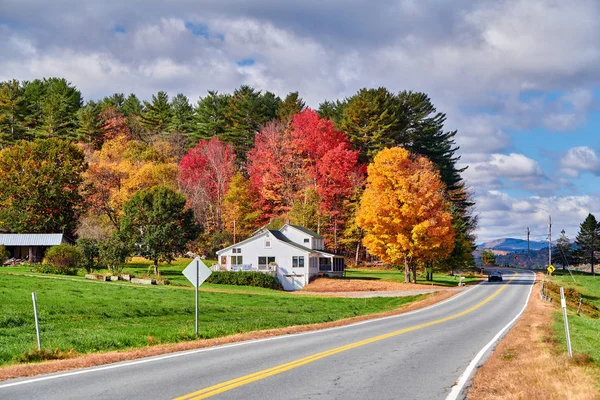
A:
(294, 254)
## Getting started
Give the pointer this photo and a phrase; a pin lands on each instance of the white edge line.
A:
(457, 389)
(190, 352)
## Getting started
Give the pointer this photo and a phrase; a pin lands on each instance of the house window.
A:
(236, 250)
(237, 260)
(265, 263)
(267, 244)
(338, 264)
(298, 262)
(223, 260)
(306, 240)
(324, 264)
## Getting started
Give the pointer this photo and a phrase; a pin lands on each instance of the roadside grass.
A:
(584, 329)
(393, 275)
(83, 317)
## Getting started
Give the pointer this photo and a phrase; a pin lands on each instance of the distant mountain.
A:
(512, 245)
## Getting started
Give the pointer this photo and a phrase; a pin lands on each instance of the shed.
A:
(30, 246)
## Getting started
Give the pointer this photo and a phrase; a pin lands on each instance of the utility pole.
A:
(234, 231)
(549, 240)
(528, 263)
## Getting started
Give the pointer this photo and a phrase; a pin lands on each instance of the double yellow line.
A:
(265, 373)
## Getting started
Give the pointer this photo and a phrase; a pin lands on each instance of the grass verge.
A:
(85, 318)
(394, 275)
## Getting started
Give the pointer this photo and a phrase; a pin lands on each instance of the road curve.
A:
(418, 355)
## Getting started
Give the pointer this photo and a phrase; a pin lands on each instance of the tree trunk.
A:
(414, 272)
(406, 270)
(156, 272)
(357, 252)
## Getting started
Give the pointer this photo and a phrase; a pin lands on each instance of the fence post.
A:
(579, 307)
(563, 303)
(37, 325)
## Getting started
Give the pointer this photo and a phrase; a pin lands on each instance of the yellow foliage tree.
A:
(403, 211)
(239, 209)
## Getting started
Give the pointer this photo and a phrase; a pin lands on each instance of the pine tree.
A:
(182, 115)
(115, 101)
(563, 247)
(60, 103)
(333, 111)
(12, 112)
(157, 114)
(210, 115)
(291, 105)
(132, 106)
(588, 240)
(90, 124)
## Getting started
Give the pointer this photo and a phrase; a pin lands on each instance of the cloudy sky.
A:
(518, 79)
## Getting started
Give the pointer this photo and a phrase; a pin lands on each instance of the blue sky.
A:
(518, 79)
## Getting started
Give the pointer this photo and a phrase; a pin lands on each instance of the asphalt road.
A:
(419, 355)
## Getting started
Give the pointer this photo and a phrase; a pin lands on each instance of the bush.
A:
(90, 252)
(112, 253)
(3, 254)
(51, 269)
(64, 257)
(245, 278)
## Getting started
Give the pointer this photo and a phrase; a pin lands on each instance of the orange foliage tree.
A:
(123, 167)
(403, 211)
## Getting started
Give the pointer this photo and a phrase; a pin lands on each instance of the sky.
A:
(518, 79)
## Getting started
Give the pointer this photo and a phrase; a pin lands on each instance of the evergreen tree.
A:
(588, 240)
(157, 114)
(371, 122)
(132, 106)
(333, 111)
(291, 105)
(210, 115)
(115, 101)
(12, 112)
(563, 248)
(59, 104)
(33, 92)
(182, 115)
(247, 112)
(90, 124)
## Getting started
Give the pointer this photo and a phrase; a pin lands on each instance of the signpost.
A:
(196, 272)
(551, 269)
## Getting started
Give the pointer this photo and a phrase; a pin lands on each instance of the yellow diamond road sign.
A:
(551, 269)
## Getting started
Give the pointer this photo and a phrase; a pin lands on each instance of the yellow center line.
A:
(244, 380)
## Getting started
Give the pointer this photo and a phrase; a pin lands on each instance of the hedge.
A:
(245, 278)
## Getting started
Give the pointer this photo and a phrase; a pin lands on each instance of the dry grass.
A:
(23, 370)
(359, 285)
(526, 364)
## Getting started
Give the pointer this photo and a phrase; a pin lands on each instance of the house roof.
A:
(31, 239)
(305, 230)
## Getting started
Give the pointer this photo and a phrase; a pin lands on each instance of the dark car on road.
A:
(495, 276)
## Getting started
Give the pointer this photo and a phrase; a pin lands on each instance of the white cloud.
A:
(496, 169)
(577, 159)
(504, 216)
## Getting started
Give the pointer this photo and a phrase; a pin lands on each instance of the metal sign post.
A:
(196, 272)
(197, 279)
(37, 324)
(563, 304)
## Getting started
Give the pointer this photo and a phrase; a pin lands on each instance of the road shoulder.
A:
(525, 363)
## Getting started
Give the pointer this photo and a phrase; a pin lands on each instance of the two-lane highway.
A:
(418, 355)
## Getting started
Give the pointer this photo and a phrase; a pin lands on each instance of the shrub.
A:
(245, 278)
(3, 254)
(51, 269)
(112, 254)
(90, 252)
(43, 355)
(64, 257)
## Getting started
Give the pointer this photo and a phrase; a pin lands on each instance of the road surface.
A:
(418, 355)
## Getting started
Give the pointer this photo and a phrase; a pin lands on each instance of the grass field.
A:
(393, 275)
(85, 316)
(584, 330)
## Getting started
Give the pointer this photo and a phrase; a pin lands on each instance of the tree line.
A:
(242, 160)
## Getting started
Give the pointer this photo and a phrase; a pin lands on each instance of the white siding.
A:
(291, 278)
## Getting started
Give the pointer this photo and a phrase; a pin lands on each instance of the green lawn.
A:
(393, 275)
(584, 329)
(86, 316)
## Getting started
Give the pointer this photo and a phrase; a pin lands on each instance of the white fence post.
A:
(37, 325)
(563, 303)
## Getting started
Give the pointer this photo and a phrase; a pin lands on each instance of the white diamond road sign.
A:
(196, 276)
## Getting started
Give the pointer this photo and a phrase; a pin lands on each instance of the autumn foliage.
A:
(309, 154)
(403, 211)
